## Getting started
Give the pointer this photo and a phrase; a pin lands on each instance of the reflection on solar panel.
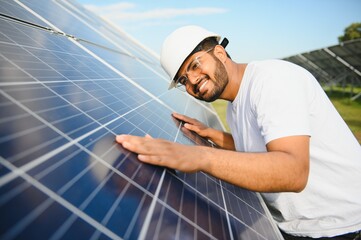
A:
(69, 84)
(334, 64)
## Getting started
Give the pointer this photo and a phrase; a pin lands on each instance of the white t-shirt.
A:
(278, 99)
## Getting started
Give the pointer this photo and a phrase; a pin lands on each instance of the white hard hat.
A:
(178, 45)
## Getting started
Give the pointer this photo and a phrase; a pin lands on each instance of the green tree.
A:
(351, 32)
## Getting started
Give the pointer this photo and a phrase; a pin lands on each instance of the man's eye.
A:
(182, 80)
(194, 66)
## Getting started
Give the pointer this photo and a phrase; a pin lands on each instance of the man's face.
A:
(210, 79)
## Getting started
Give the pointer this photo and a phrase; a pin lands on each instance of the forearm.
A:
(222, 139)
(284, 167)
(261, 172)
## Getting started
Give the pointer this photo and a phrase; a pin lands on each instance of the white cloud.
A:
(123, 11)
(117, 7)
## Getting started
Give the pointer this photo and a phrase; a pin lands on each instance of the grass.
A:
(221, 108)
(349, 110)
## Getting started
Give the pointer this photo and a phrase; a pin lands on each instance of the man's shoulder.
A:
(271, 63)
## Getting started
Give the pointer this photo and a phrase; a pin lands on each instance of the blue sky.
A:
(256, 29)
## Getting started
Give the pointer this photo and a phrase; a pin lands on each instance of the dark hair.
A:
(206, 44)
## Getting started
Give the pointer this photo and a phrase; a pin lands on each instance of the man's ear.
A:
(220, 53)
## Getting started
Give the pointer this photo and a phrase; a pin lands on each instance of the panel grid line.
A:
(121, 74)
(59, 199)
(36, 162)
(95, 56)
(86, 202)
(145, 227)
(74, 98)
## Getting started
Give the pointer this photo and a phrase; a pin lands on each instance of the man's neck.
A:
(235, 75)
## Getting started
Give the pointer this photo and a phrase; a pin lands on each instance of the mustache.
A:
(195, 86)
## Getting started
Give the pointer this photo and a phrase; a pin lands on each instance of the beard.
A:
(220, 82)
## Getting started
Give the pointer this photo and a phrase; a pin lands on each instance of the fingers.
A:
(191, 127)
(183, 118)
(122, 138)
(160, 152)
(142, 145)
(148, 136)
(133, 143)
(131, 138)
(149, 150)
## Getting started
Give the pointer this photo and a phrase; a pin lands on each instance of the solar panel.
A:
(333, 64)
(70, 83)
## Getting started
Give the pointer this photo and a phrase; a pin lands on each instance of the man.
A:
(287, 142)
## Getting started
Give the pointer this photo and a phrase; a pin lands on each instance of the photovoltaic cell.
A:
(333, 64)
(13, 9)
(68, 85)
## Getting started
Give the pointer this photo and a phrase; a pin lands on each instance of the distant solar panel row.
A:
(69, 84)
(333, 64)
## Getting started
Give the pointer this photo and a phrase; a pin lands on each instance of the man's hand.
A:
(222, 139)
(284, 168)
(163, 153)
(193, 125)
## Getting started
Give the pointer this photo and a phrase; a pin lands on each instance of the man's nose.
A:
(193, 78)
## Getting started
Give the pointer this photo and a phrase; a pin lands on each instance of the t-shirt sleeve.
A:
(281, 100)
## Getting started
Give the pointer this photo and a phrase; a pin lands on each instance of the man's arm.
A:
(284, 168)
(222, 139)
